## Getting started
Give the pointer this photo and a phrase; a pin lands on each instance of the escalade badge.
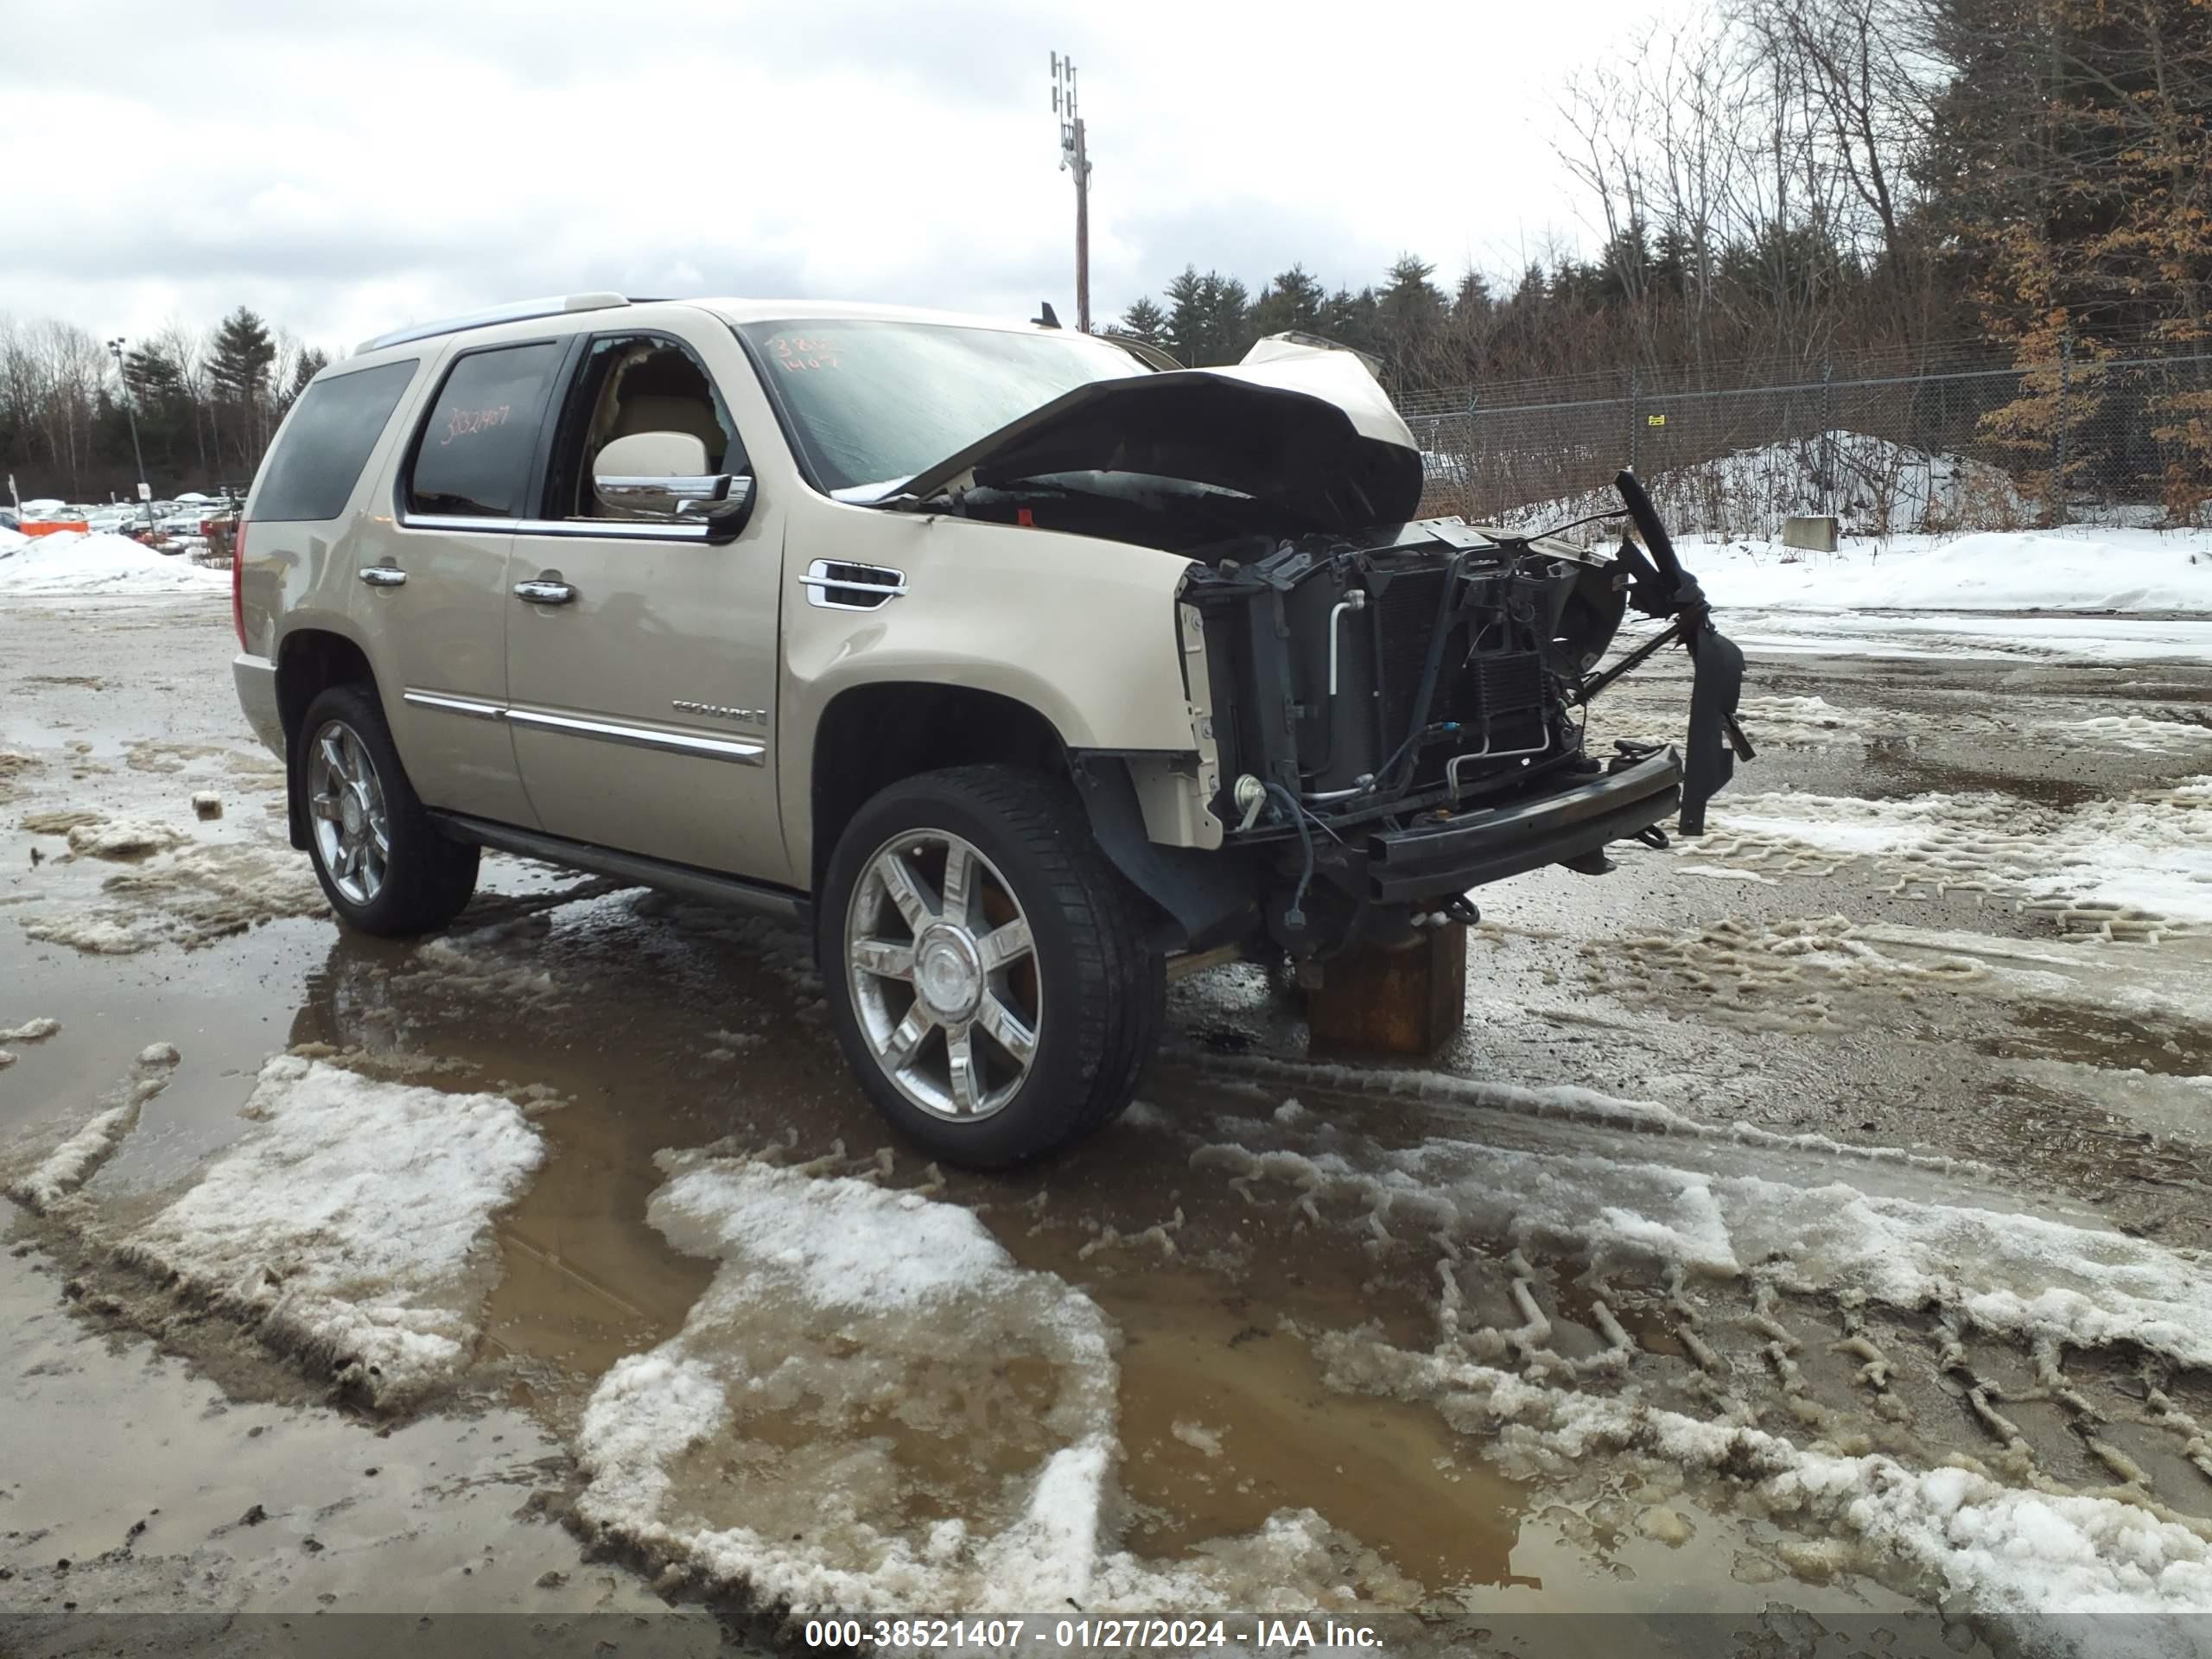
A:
(749, 716)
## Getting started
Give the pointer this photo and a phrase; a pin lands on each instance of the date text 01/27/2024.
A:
(1010, 1635)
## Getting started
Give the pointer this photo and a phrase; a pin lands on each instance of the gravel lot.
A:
(1809, 1217)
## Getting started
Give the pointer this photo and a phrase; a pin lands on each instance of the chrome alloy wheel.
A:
(943, 974)
(345, 806)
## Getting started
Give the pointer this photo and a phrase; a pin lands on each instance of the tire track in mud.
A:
(2135, 870)
(1573, 1313)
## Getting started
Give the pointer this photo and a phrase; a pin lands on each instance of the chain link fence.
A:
(1948, 446)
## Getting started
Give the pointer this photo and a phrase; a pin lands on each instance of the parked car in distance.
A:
(1006, 662)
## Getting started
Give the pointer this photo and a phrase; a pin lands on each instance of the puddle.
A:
(2105, 1037)
(150, 1471)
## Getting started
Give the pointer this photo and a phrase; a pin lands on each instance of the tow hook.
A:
(1653, 836)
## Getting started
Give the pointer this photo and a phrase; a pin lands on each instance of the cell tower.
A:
(1075, 157)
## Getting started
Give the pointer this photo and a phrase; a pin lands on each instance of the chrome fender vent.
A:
(833, 585)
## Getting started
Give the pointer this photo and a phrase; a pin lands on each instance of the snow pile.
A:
(32, 1031)
(873, 1408)
(2084, 570)
(351, 1224)
(2142, 733)
(75, 1162)
(202, 893)
(2148, 857)
(122, 838)
(1872, 485)
(69, 562)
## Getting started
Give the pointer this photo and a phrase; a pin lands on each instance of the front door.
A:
(641, 658)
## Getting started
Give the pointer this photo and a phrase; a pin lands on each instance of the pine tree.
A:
(1184, 335)
(1410, 314)
(313, 361)
(240, 363)
(1294, 301)
(1473, 300)
(237, 374)
(1145, 321)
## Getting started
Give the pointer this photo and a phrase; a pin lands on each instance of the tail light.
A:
(238, 582)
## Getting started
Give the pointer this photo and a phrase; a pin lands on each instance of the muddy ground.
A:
(1870, 1130)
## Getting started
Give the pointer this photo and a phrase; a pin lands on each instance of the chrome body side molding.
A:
(468, 706)
(737, 750)
(742, 751)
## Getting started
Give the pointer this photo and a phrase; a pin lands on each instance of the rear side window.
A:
(474, 456)
(312, 469)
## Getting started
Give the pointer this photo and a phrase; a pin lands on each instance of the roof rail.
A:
(517, 311)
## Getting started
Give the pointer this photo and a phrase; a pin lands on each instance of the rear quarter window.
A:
(325, 442)
(472, 457)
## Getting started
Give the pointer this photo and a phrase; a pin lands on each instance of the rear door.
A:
(444, 607)
(641, 657)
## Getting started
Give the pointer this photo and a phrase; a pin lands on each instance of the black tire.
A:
(1101, 991)
(426, 878)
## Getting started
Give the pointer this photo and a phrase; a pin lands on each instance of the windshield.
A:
(872, 403)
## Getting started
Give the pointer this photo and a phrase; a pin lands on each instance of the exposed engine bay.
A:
(1392, 710)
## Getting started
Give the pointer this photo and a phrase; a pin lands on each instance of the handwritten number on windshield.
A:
(799, 353)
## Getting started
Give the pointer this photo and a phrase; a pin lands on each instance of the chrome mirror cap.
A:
(663, 475)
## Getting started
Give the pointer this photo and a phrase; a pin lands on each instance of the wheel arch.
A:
(310, 660)
(873, 735)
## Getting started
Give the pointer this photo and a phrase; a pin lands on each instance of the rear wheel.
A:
(382, 864)
(984, 964)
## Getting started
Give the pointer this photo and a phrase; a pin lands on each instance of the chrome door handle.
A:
(383, 576)
(544, 592)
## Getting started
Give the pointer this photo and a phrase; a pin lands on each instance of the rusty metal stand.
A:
(1412, 1000)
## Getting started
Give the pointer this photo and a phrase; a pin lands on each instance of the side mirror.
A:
(664, 476)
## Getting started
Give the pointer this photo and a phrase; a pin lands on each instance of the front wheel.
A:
(984, 964)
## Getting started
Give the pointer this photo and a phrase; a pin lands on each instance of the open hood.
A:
(1303, 427)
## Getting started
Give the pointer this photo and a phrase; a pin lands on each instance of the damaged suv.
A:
(1009, 661)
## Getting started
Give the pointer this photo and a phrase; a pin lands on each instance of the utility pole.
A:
(1075, 157)
(129, 409)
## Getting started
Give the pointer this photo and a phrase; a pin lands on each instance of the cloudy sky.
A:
(342, 169)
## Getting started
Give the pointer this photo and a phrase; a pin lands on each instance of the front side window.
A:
(310, 473)
(631, 384)
(473, 459)
(873, 402)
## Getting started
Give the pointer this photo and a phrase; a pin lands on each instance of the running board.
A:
(711, 887)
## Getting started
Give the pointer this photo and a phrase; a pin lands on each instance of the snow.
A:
(1872, 484)
(2062, 569)
(2015, 1273)
(69, 562)
(75, 1162)
(352, 1223)
(122, 838)
(1969, 1539)
(202, 891)
(873, 1408)
(1994, 638)
(1962, 1536)
(2151, 854)
(31, 1031)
